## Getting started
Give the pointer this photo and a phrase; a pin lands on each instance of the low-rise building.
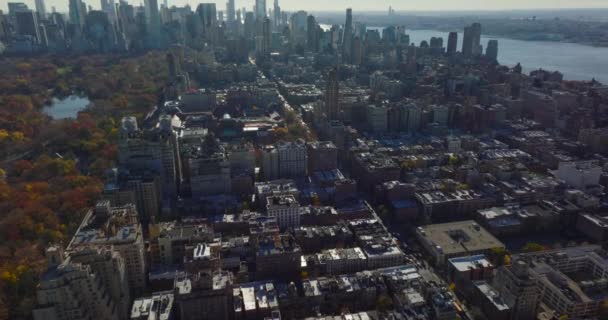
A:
(439, 205)
(490, 301)
(456, 239)
(341, 261)
(277, 257)
(157, 307)
(205, 295)
(593, 226)
(371, 169)
(322, 156)
(463, 271)
(168, 247)
(572, 281)
(255, 300)
(285, 209)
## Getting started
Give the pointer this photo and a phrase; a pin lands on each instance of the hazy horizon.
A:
(360, 5)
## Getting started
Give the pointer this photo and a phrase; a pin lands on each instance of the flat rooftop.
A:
(492, 295)
(458, 237)
(467, 263)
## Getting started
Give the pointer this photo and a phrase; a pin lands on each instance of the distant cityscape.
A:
(291, 171)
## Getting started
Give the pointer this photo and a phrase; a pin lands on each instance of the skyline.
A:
(360, 5)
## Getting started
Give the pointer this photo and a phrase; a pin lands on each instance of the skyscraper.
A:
(230, 11)
(109, 8)
(249, 26)
(153, 22)
(100, 31)
(41, 9)
(277, 14)
(467, 42)
(70, 290)
(3, 29)
(26, 23)
(492, 50)
(260, 9)
(477, 49)
(347, 39)
(358, 51)
(332, 95)
(14, 7)
(263, 39)
(313, 40)
(207, 12)
(471, 43)
(452, 43)
(78, 12)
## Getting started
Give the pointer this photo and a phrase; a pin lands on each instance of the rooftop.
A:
(157, 307)
(468, 263)
(491, 294)
(458, 237)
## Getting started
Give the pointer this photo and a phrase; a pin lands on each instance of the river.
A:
(575, 61)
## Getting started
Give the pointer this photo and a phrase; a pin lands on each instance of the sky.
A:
(378, 5)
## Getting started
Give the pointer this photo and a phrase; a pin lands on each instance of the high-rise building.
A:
(207, 12)
(477, 47)
(78, 12)
(298, 23)
(277, 15)
(100, 31)
(207, 168)
(263, 38)
(519, 289)
(332, 95)
(452, 43)
(153, 23)
(440, 114)
(322, 156)
(3, 27)
(313, 39)
(109, 7)
(154, 151)
(270, 163)
(260, 9)
(467, 42)
(41, 9)
(414, 118)
(471, 43)
(119, 228)
(110, 267)
(293, 159)
(358, 51)
(492, 50)
(249, 25)
(230, 12)
(285, 209)
(347, 38)
(70, 290)
(14, 7)
(146, 188)
(26, 23)
(377, 118)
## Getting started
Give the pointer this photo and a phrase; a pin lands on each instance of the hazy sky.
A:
(317, 5)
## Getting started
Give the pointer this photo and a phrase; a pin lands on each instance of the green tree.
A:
(498, 256)
(384, 303)
(532, 247)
